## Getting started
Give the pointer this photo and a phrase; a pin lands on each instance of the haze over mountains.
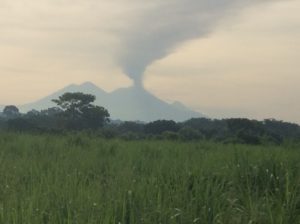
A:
(133, 103)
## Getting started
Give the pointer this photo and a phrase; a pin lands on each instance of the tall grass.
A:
(84, 179)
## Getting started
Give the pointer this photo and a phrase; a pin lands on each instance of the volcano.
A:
(130, 104)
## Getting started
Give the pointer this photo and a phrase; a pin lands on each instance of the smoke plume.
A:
(166, 24)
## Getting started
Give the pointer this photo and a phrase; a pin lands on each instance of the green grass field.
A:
(82, 179)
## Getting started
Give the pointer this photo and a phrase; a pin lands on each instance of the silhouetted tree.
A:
(11, 111)
(282, 129)
(211, 129)
(95, 116)
(130, 126)
(79, 112)
(170, 135)
(20, 124)
(52, 111)
(32, 113)
(188, 133)
(160, 126)
(247, 131)
(73, 104)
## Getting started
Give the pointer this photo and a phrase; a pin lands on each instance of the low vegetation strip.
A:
(77, 112)
(86, 179)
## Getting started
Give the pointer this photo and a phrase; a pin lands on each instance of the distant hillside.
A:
(126, 103)
(46, 102)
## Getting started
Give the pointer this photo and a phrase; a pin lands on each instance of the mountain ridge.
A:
(132, 103)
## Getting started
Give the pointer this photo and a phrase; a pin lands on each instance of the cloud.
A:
(164, 25)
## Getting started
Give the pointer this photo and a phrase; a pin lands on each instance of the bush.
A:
(109, 133)
(128, 136)
(160, 126)
(249, 138)
(20, 124)
(188, 134)
(170, 135)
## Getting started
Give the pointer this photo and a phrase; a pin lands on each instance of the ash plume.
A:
(165, 25)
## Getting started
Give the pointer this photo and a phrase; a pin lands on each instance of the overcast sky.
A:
(227, 58)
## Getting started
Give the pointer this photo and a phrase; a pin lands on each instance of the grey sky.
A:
(246, 64)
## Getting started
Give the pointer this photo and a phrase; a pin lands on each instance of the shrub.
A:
(188, 133)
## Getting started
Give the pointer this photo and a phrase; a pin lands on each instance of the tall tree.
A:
(11, 111)
(73, 104)
(79, 111)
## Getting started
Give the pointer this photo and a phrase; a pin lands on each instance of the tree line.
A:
(76, 112)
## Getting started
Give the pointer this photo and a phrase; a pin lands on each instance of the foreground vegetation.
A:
(86, 179)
